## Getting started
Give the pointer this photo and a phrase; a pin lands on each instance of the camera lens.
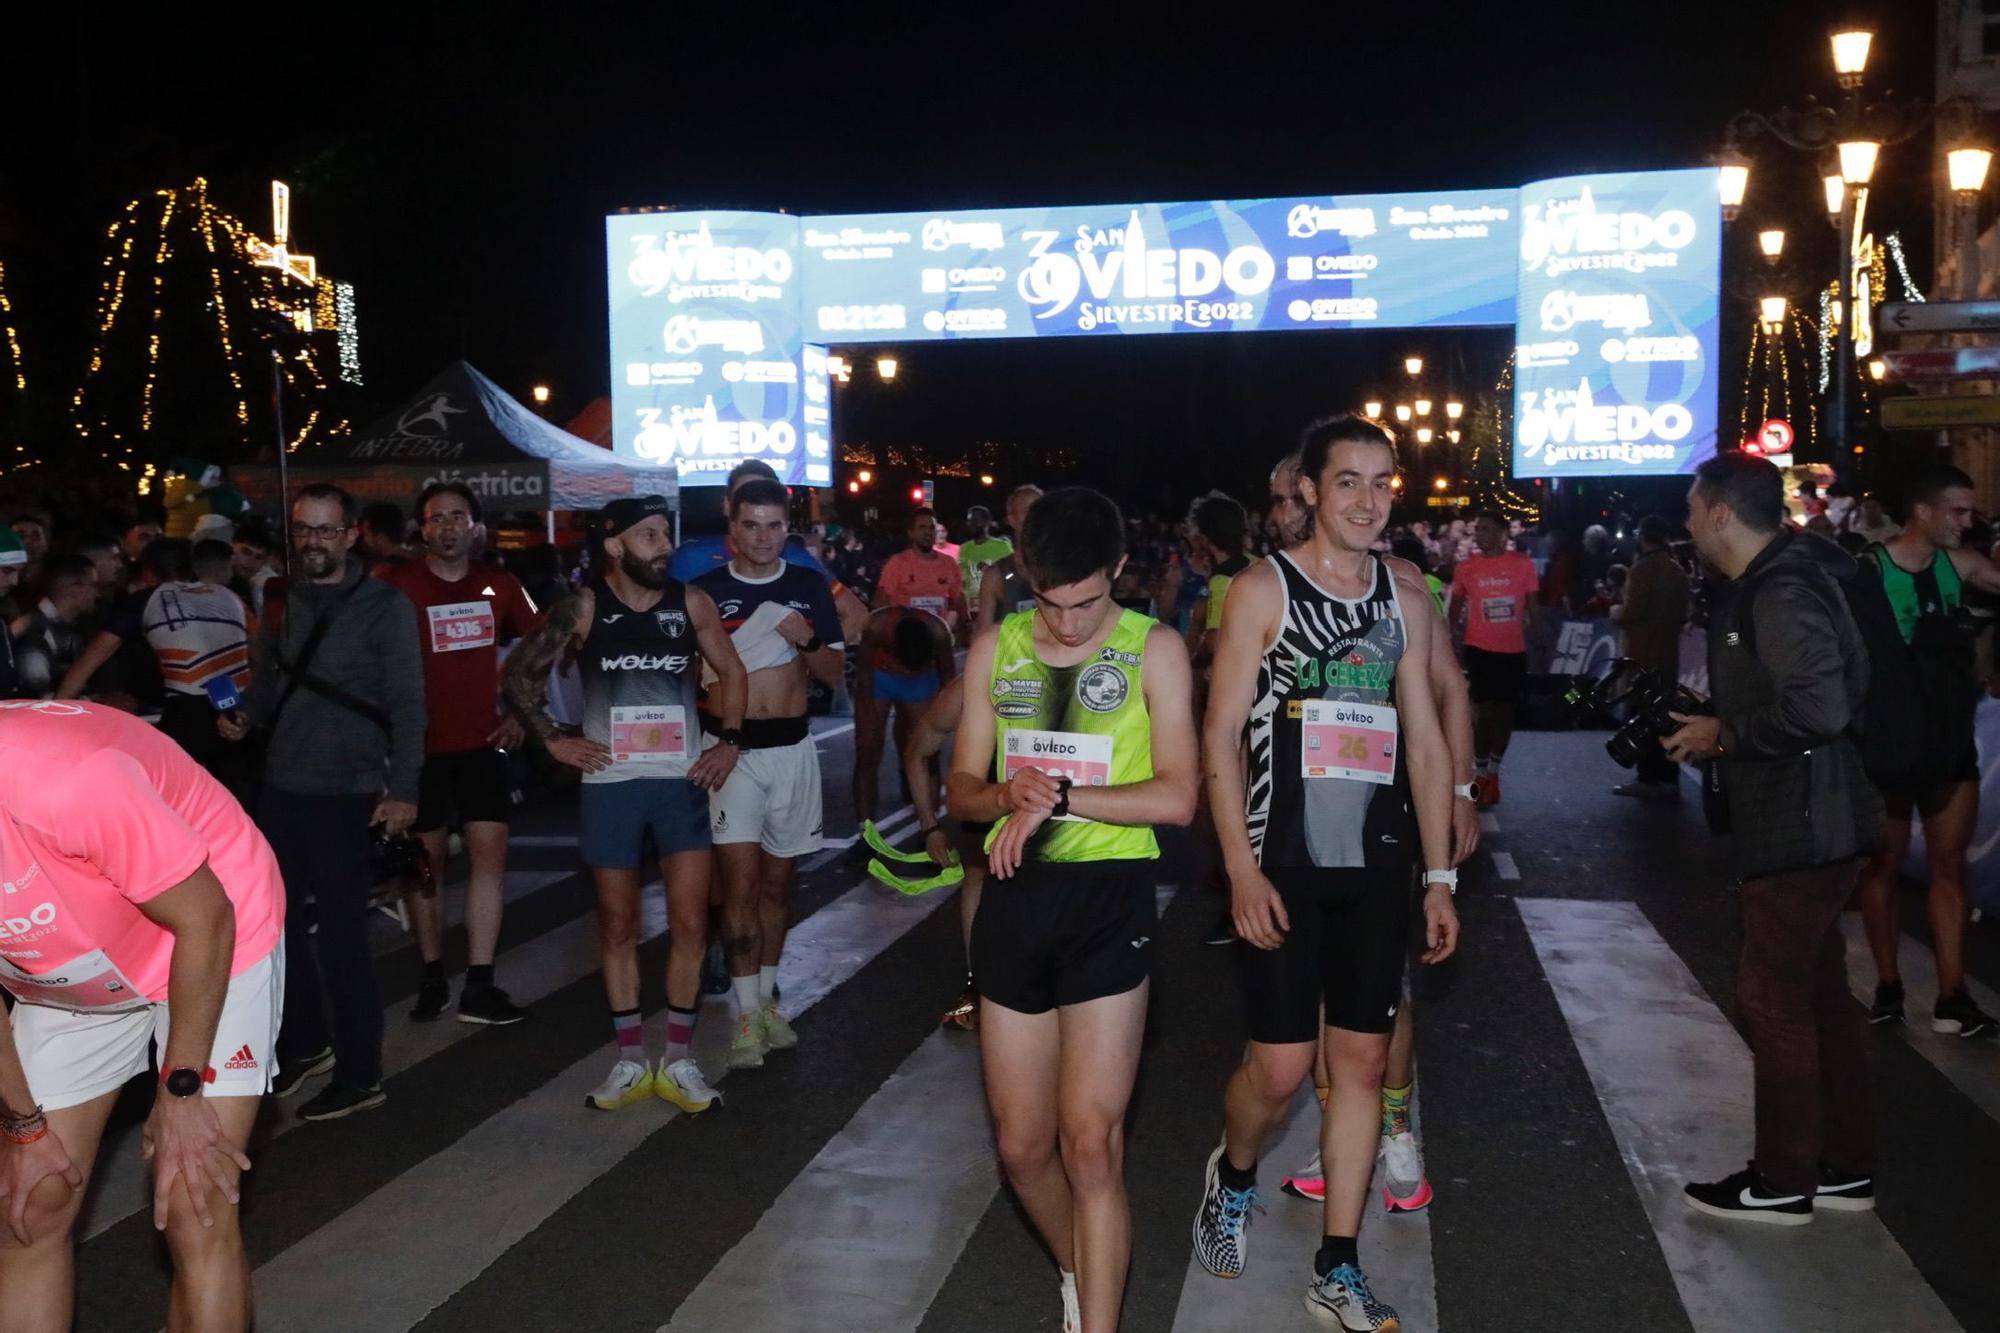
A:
(1625, 745)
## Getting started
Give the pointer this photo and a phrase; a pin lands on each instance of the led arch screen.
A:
(719, 321)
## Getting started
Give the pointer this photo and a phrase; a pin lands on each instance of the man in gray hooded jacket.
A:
(1789, 672)
(337, 687)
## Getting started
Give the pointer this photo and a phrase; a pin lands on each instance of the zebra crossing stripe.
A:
(405, 1249)
(121, 1183)
(880, 1216)
(1674, 1082)
(1968, 1064)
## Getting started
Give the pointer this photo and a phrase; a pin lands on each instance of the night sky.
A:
(456, 164)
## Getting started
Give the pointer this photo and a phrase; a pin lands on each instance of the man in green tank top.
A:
(1077, 737)
(1925, 570)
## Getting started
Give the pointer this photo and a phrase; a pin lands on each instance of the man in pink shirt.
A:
(138, 903)
(924, 577)
(1492, 608)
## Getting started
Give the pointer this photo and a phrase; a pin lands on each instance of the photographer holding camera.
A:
(1789, 673)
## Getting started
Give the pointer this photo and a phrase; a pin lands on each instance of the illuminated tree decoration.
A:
(16, 367)
(1489, 430)
(140, 394)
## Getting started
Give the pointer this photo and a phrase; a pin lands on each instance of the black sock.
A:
(434, 970)
(479, 975)
(1335, 1251)
(1233, 1179)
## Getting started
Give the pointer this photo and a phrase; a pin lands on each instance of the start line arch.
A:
(720, 321)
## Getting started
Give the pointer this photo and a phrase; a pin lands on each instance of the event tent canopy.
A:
(461, 426)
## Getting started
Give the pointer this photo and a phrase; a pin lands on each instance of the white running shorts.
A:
(773, 798)
(76, 1056)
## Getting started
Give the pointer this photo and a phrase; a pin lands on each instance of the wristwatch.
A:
(731, 736)
(182, 1081)
(1467, 790)
(1062, 798)
(1448, 878)
(812, 645)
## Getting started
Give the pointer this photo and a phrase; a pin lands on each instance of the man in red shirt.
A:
(924, 578)
(142, 907)
(1492, 609)
(463, 611)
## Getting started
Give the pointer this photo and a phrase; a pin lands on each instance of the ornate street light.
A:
(1423, 407)
(1850, 55)
(1414, 365)
(1966, 167)
(1454, 410)
(1402, 412)
(1772, 243)
(1771, 314)
(1372, 409)
(1424, 435)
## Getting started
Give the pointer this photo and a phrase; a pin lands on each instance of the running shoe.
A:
(682, 1084)
(1221, 1222)
(1072, 1311)
(1309, 1184)
(432, 997)
(1649, 791)
(488, 1005)
(291, 1077)
(1957, 1014)
(1341, 1297)
(335, 1102)
(965, 1014)
(1844, 1191)
(778, 1033)
(1404, 1187)
(1744, 1197)
(1888, 1006)
(747, 1048)
(630, 1081)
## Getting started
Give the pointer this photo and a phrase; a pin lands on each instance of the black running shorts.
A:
(466, 787)
(1061, 933)
(1350, 930)
(1495, 678)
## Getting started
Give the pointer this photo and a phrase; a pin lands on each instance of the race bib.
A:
(91, 981)
(1499, 610)
(1342, 740)
(1028, 604)
(461, 625)
(934, 605)
(648, 733)
(1084, 759)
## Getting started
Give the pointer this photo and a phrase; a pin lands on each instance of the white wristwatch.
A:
(1448, 878)
(1467, 790)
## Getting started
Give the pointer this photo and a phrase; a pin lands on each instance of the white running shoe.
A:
(630, 1081)
(778, 1034)
(746, 1049)
(1404, 1188)
(1072, 1312)
(682, 1084)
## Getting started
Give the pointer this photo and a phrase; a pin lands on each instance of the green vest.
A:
(1053, 718)
(1936, 591)
(974, 557)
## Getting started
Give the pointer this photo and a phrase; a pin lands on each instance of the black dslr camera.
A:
(1644, 698)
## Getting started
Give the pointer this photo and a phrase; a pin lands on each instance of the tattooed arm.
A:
(526, 681)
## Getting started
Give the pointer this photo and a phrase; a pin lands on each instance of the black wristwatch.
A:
(731, 736)
(811, 645)
(1062, 797)
(185, 1082)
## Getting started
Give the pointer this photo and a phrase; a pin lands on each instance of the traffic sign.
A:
(1775, 436)
(1938, 413)
(1942, 363)
(1940, 316)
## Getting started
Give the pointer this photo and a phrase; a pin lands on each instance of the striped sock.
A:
(1396, 1109)
(680, 1033)
(631, 1034)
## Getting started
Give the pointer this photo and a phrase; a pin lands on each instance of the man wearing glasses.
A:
(463, 612)
(337, 687)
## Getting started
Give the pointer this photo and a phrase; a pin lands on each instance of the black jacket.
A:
(1788, 671)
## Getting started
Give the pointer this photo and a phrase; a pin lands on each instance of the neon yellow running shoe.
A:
(778, 1033)
(630, 1081)
(747, 1047)
(682, 1084)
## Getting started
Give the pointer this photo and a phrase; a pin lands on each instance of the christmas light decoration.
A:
(1489, 428)
(350, 336)
(13, 338)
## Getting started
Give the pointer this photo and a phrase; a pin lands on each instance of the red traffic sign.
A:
(1776, 436)
(1942, 363)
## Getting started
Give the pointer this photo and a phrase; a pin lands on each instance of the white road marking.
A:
(542, 840)
(1674, 1081)
(879, 1216)
(395, 1256)
(1488, 822)
(831, 732)
(1969, 1064)
(1503, 865)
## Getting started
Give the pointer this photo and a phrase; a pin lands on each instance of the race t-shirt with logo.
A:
(974, 557)
(641, 671)
(1086, 722)
(1496, 589)
(1934, 593)
(1219, 580)
(737, 597)
(99, 814)
(702, 555)
(1327, 783)
(461, 624)
(198, 631)
(928, 583)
